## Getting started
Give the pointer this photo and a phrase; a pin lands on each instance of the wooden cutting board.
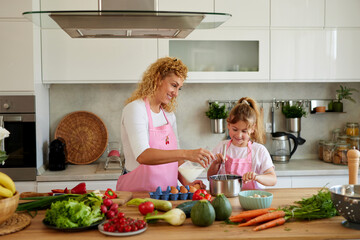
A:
(123, 196)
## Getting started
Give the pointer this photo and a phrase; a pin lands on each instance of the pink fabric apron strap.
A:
(149, 177)
(240, 166)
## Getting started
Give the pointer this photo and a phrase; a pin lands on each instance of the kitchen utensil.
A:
(229, 187)
(190, 170)
(249, 202)
(85, 136)
(222, 170)
(113, 160)
(281, 150)
(346, 198)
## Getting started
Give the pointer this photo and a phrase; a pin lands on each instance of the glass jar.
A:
(355, 142)
(328, 151)
(352, 129)
(343, 139)
(321, 149)
(340, 152)
(335, 134)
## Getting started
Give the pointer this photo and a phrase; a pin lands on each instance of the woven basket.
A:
(85, 137)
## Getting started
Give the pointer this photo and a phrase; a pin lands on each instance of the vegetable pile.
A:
(316, 207)
(77, 211)
(121, 223)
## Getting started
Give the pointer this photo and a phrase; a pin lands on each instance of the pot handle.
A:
(295, 143)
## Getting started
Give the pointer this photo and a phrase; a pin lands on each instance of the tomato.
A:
(107, 202)
(146, 207)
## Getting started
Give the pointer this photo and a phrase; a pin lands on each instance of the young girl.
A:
(245, 155)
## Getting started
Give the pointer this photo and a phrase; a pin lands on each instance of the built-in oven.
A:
(17, 115)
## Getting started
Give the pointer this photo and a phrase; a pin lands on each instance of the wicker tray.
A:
(85, 137)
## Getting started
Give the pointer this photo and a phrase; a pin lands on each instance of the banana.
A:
(4, 192)
(7, 182)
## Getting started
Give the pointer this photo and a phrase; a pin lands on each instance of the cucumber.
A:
(161, 205)
(186, 207)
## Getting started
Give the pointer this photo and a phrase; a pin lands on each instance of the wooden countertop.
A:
(317, 229)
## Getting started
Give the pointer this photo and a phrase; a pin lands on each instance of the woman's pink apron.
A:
(149, 177)
(240, 166)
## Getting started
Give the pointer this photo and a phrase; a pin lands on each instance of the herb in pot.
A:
(294, 111)
(217, 112)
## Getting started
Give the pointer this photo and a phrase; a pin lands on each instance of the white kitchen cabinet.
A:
(282, 182)
(186, 5)
(90, 185)
(245, 13)
(297, 13)
(68, 60)
(345, 55)
(11, 9)
(26, 186)
(222, 55)
(68, 5)
(16, 58)
(300, 55)
(318, 181)
(340, 13)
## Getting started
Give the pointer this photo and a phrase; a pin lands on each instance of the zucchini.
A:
(202, 214)
(161, 205)
(222, 207)
(186, 207)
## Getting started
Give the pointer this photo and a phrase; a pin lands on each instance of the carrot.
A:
(240, 220)
(251, 213)
(263, 218)
(270, 224)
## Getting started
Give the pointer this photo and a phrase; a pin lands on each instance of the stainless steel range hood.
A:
(124, 19)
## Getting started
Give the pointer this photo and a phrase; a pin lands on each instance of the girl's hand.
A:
(201, 156)
(202, 185)
(249, 176)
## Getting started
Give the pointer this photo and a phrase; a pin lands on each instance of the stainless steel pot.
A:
(229, 185)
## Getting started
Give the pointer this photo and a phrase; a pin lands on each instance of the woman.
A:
(149, 133)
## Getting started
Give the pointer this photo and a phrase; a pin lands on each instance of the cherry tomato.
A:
(107, 202)
(146, 207)
(121, 215)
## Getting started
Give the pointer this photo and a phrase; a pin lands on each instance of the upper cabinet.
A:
(68, 60)
(300, 55)
(222, 55)
(186, 5)
(297, 13)
(14, 9)
(245, 13)
(16, 48)
(67, 5)
(340, 13)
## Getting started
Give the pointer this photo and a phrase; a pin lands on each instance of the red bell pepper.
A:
(110, 193)
(79, 189)
(201, 194)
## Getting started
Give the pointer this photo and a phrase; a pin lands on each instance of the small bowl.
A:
(8, 207)
(248, 202)
(320, 109)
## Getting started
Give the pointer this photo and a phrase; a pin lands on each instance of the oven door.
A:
(20, 146)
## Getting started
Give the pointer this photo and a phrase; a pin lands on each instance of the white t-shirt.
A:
(135, 130)
(261, 159)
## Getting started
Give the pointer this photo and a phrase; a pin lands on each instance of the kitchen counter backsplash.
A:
(107, 102)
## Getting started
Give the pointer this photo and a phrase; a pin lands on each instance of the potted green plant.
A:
(217, 115)
(342, 93)
(293, 115)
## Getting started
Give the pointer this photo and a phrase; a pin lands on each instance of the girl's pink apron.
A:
(240, 166)
(149, 177)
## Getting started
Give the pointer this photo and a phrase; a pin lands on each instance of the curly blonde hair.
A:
(246, 110)
(153, 76)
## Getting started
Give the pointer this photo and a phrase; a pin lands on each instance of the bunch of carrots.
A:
(270, 216)
(316, 207)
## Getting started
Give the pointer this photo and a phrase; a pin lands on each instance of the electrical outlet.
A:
(268, 127)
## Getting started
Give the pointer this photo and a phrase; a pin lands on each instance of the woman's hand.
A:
(201, 156)
(249, 176)
(202, 185)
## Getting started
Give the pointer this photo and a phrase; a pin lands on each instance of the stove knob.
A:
(6, 106)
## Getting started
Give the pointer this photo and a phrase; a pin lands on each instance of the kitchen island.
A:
(316, 229)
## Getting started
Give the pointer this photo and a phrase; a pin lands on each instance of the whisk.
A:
(222, 172)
